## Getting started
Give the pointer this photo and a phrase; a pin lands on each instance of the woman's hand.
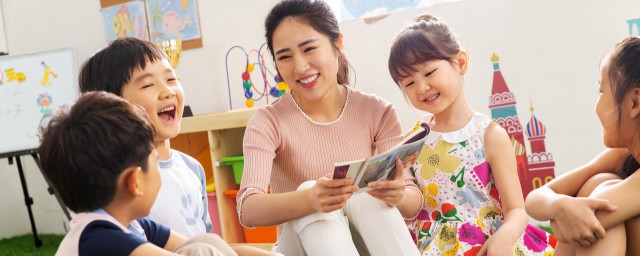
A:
(390, 191)
(328, 195)
(576, 222)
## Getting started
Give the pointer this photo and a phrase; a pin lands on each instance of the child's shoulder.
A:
(181, 160)
(88, 233)
(191, 162)
(476, 126)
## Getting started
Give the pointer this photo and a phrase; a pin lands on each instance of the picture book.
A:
(383, 166)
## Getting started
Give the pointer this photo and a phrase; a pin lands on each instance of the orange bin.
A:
(258, 234)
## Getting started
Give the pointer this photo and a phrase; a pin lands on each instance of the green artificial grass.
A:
(24, 245)
(547, 229)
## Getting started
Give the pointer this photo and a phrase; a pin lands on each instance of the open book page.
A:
(383, 167)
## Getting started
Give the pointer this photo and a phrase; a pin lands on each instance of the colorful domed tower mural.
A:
(540, 162)
(502, 104)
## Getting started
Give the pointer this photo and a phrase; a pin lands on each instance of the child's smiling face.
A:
(156, 88)
(617, 125)
(436, 84)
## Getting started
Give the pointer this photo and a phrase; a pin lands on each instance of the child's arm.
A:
(206, 217)
(501, 157)
(174, 241)
(575, 216)
(243, 250)
(149, 249)
(622, 193)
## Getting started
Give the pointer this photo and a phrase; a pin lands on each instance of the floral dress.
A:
(461, 207)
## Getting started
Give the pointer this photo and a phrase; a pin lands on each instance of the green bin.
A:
(237, 164)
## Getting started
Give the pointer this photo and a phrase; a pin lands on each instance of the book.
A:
(383, 166)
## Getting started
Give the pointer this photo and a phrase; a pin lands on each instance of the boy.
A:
(101, 159)
(139, 72)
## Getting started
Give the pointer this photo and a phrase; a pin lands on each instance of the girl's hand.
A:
(328, 195)
(500, 243)
(390, 191)
(576, 222)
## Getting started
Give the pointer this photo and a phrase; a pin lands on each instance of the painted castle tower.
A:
(532, 171)
(540, 162)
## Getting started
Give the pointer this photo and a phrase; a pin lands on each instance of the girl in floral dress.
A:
(472, 201)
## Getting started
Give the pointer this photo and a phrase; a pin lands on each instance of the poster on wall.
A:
(357, 9)
(174, 19)
(125, 20)
(32, 87)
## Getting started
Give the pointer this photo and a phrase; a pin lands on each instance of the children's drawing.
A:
(13, 111)
(357, 9)
(125, 20)
(13, 75)
(536, 169)
(44, 101)
(634, 27)
(354, 9)
(46, 80)
(248, 84)
(173, 19)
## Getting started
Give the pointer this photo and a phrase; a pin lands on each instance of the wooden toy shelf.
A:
(207, 138)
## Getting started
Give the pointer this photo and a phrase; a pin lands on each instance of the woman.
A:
(291, 146)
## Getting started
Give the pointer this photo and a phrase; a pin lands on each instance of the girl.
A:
(585, 202)
(290, 145)
(467, 170)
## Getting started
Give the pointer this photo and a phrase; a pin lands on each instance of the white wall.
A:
(549, 50)
(3, 41)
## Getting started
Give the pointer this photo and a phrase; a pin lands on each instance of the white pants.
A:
(205, 245)
(378, 229)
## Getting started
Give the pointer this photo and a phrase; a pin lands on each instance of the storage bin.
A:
(213, 213)
(237, 164)
(259, 234)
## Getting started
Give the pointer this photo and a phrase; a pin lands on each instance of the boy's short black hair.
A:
(85, 148)
(112, 67)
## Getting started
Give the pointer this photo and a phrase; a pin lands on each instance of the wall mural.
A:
(536, 168)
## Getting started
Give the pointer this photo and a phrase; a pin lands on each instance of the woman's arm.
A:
(502, 159)
(326, 195)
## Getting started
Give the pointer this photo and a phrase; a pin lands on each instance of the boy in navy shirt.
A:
(101, 158)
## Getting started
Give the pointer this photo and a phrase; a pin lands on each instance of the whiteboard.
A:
(32, 87)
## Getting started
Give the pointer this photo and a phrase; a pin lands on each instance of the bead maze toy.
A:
(249, 87)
